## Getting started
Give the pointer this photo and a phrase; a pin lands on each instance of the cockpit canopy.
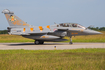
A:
(71, 25)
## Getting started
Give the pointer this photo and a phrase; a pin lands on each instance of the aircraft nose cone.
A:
(92, 32)
(96, 32)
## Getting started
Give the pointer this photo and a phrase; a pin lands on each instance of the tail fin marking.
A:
(13, 20)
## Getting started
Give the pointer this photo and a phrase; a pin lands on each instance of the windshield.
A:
(71, 25)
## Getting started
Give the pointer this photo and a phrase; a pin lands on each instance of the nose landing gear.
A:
(70, 40)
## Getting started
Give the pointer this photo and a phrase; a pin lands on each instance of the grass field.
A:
(5, 38)
(89, 38)
(77, 59)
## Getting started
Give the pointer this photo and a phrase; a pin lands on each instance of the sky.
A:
(46, 12)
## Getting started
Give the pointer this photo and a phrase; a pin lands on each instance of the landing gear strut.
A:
(70, 40)
(38, 42)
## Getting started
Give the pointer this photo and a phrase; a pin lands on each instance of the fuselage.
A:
(48, 33)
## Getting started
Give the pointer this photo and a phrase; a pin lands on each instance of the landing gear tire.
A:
(38, 42)
(41, 42)
(70, 43)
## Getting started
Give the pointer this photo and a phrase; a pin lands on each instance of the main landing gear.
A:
(70, 40)
(38, 42)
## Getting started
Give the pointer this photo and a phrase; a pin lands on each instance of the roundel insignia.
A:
(12, 18)
(54, 29)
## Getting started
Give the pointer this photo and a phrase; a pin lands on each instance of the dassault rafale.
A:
(48, 33)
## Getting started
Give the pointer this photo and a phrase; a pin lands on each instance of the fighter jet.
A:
(48, 33)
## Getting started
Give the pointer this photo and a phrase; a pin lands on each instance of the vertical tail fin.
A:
(13, 20)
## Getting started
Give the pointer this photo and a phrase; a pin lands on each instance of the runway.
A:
(49, 46)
